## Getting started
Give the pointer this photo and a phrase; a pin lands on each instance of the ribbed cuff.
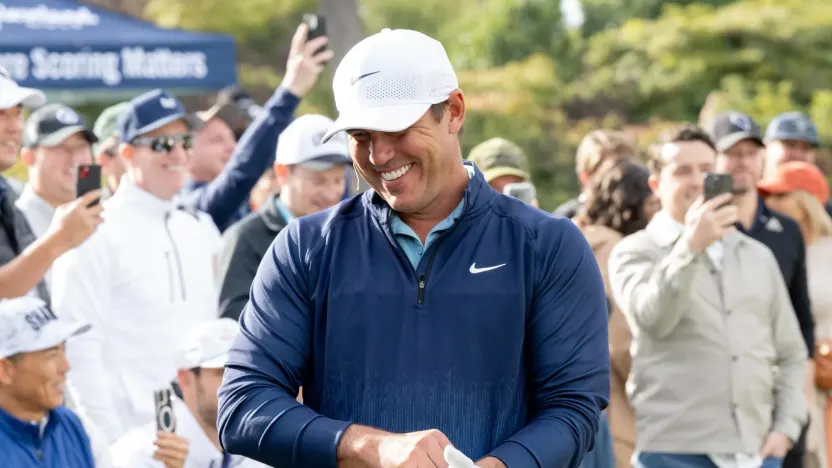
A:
(514, 455)
(318, 443)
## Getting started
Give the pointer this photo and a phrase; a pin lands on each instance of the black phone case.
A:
(165, 422)
(717, 184)
(317, 28)
(88, 179)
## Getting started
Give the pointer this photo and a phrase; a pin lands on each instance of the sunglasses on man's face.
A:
(165, 144)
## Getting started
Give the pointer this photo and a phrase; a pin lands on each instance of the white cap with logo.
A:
(12, 95)
(300, 143)
(389, 80)
(206, 345)
(28, 325)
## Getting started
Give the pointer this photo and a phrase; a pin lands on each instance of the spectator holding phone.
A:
(711, 319)
(56, 140)
(144, 279)
(36, 430)
(221, 189)
(194, 443)
(25, 258)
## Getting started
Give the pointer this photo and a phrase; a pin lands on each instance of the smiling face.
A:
(34, 382)
(11, 136)
(681, 179)
(157, 171)
(52, 170)
(411, 169)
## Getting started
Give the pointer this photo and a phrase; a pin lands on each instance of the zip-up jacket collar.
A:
(129, 193)
(478, 196)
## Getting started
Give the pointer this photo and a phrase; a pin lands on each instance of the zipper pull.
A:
(421, 296)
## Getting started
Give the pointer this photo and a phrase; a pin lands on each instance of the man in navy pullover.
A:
(225, 197)
(427, 312)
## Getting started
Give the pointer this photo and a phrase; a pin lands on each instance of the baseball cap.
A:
(796, 175)
(498, 157)
(12, 95)
(389, 80)
(729, 128)
(27, 325)
(52, 124)
(233, 105)
(106, 126)
(150, 111)
(302, 143)
(206, 345)
(792, 126)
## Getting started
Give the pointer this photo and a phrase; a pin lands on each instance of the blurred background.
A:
(542, 73)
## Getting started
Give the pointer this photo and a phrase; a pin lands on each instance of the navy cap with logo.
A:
(792, 126)
(148, 112)
(729, 128)
(52, 124)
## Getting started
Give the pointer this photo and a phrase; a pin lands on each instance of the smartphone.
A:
(88, 179)
(317, 28)
(165, 421)
(717, 184)
(523, 191)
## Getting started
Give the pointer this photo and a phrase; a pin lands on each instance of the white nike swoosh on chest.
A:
(476, 270)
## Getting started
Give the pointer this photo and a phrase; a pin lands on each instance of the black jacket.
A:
(244, 244)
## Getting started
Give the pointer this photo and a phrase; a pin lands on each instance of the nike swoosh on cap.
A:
(357, 78)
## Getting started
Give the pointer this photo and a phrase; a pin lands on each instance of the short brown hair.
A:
(686, 132)
(600, 146)
(438, 111)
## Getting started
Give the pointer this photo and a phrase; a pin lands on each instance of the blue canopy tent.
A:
(79, 53)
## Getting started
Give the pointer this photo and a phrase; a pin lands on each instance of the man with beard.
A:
(24, 260)
(740, 148)
(194, 443)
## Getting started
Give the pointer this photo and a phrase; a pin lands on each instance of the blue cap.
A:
(148, 112)
(792, 126)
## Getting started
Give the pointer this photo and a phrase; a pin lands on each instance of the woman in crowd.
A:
(619, 203)
(799, 190)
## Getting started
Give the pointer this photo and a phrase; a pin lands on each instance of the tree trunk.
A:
(345, 30)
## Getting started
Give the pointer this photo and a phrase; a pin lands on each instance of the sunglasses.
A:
(165, 144)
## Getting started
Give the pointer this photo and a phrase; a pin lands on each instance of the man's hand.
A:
(75, 221)
(777, 445)
(707, 222)
(370, 448)
(305, 66)
(490, 462)
(171, 449)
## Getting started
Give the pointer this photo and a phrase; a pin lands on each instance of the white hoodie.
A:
(142, 280)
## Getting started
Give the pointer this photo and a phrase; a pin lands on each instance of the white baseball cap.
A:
(301, 144)
(206, 345)
(12, 95)
(27, 325)
(389, 80)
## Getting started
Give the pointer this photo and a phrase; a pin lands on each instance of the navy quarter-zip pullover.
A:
(497, 338)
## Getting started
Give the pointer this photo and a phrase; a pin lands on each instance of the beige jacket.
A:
(619, 414)
(718, 359)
